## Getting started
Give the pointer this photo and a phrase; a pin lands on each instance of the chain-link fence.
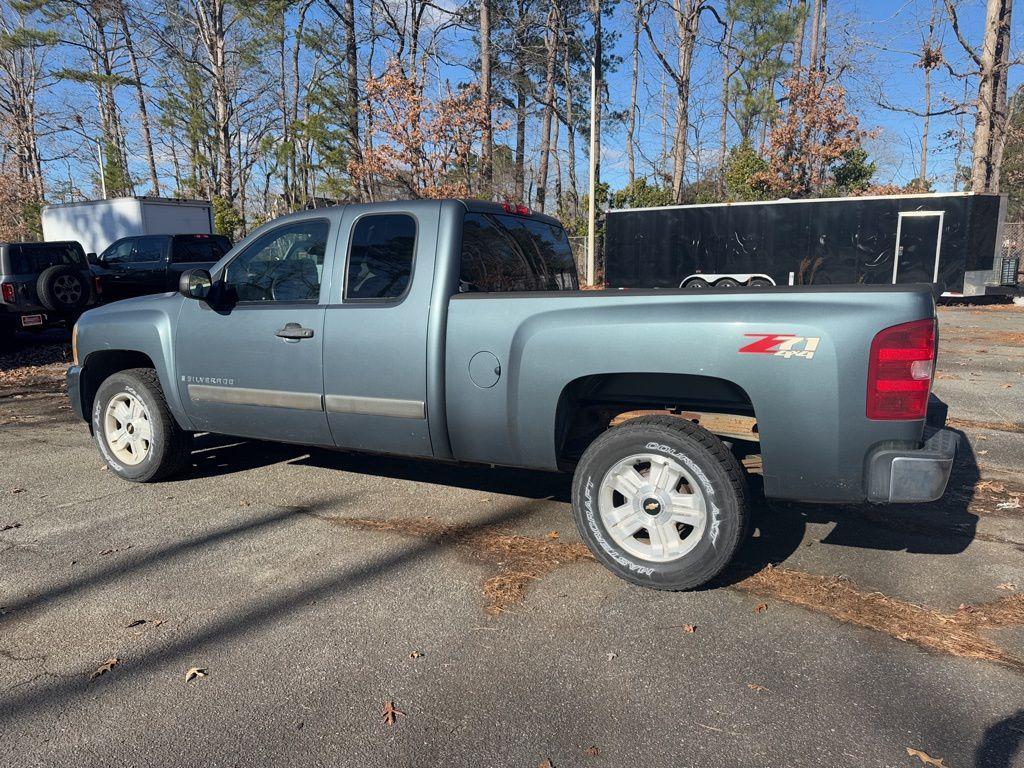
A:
(1010, 265)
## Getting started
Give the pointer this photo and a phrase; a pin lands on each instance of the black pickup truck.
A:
(144, 264)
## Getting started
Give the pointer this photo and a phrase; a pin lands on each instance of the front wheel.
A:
(661, 502)
(134, 428)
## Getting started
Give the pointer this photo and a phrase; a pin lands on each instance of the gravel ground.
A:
(312, 589)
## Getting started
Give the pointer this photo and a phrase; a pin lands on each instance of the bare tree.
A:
(993, 64)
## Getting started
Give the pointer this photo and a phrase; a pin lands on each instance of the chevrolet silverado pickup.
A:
(456, 331)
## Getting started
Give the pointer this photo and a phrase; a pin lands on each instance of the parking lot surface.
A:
(269, 606)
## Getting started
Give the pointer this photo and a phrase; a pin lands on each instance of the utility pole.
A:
(103, 178)
(592, 207)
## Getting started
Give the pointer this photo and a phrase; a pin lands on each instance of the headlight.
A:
(74, 345)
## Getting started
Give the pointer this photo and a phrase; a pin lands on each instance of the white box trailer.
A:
(98, 223)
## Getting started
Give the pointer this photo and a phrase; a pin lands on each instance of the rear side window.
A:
(198, 248)
(35, 257)
(513, 253)
(380, 257)
(148, 249)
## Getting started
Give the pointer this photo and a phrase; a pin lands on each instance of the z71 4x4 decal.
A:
(781, 344)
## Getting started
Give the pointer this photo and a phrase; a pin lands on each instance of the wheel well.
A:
(100, 366)
(588, 405)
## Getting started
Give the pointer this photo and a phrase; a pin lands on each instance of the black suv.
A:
(42, 285)
(136, 266)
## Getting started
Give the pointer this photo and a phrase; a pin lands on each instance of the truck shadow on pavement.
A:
(1001, 743)
(778, 529)
(944, 527)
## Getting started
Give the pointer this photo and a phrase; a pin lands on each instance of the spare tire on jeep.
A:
(63, 288)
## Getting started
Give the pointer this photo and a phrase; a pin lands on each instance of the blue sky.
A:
(873, 40)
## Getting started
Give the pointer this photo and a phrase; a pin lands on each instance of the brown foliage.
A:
(16, 201)
(812, 136)
(422, 145)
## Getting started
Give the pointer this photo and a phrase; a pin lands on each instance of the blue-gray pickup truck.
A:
(457, 331)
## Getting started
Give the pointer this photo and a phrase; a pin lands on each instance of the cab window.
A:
(120, 252)
(380, 257)
(283, 265)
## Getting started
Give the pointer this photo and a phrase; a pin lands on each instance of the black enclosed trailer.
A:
(950, 240)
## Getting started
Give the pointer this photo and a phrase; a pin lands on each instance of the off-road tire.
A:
(716, 471)
(63, 288)
(170, 446)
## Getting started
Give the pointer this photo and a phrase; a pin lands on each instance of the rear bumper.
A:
(901, 475)
(74, 378)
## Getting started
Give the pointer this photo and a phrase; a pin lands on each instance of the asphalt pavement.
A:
(305, 591)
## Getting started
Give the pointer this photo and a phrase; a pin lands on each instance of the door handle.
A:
(294, 332)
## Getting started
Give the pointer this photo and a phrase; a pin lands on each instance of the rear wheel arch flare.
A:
(582, 400)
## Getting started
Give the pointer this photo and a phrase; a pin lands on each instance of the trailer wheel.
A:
(760, 282)
(727, 282)
(697, 282)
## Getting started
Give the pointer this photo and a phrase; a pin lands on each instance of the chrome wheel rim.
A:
(653, 508)
(67, 289)
(128, 429)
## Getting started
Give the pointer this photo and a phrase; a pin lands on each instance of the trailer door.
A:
(918, 243)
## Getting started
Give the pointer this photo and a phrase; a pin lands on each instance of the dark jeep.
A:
(43, 285)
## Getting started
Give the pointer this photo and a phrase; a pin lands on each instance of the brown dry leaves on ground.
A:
(34, 366)
(958, 633)
(520, 559)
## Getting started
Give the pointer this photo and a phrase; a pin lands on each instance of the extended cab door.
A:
(250, 361)
(375, 348)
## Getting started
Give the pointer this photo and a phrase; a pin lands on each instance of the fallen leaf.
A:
(194, 673)
(10, 526)
(689, 628)
(1008, 586)
(982, 453)
(966, 608)
(157, 622)
(592, 751)
(416, 655)
(390, 713)
(756, 687)
(105, 667)
(243, 503)
(545, 763)
(17, 490)
(925, 758)
(761, 608)
(136, 623)
(611, 656)
(553, 535)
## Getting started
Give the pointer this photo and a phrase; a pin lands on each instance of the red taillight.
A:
(97, 285)
(900, 371)
(8, 292)
(519, 210)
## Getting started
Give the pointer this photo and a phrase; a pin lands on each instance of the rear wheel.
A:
(661, 502)
(727, 282)
(134, 429)
(760, 282)
(697, 282)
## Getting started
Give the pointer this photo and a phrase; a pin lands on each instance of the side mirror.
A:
(93, 259)
(195, 284)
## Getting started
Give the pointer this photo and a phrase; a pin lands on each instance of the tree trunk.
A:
(352, 75)
(551, 40)
(140, 93)
(570, 137)
(631, 123)
(812, 59)
(487, 140)
(798, 41)
(519, 76)
(687, 17)
(596, 11)
(723, 121)
(990, 119)
(209, 16)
